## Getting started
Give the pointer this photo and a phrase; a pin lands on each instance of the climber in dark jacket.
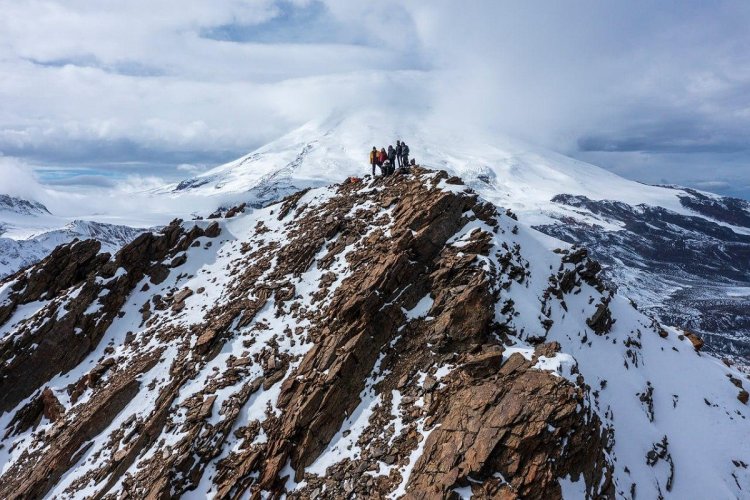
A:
(398, 152)
(392, 156)
(404, 154)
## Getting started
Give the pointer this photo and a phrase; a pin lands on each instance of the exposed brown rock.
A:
(548, 350)
(695, 340)
(38, 352)
(743, 396)
(235, 210)
(601, 321)
(178, 260)
(66, 266)
(212, 230)
(178, 301)
(53, 410)
(501, 424)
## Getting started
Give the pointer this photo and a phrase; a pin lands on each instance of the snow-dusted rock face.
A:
(391, 338)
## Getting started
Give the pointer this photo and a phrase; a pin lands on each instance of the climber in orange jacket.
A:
(374, 159)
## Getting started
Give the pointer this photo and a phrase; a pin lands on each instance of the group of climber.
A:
(386, 161)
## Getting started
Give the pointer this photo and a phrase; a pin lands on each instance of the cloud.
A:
(604, 82)
(104, 83)
(105, 86)
(559, 72)
(725, 174)
(124, 200)
(83, 180)
(18, 179)
(190, 169)
(712, 184)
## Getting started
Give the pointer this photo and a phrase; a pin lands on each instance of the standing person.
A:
(382, 156)
(392, 156)
(373, 159)
(404, 154)
(398, 152)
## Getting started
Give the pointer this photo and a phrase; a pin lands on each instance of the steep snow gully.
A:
(392, 338)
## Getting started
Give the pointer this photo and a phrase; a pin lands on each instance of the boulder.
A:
(695, 340)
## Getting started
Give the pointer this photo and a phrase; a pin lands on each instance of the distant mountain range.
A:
(28, 232)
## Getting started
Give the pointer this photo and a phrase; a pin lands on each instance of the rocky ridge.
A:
(395, 337)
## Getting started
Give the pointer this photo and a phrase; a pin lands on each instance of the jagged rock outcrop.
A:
(395, 337)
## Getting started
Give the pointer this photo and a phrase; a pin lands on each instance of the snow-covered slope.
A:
(679, 253)
(19, 206)
(28, 232)
(369, 340)
(516, 175)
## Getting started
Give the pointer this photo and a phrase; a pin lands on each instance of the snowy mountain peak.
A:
(505, 171)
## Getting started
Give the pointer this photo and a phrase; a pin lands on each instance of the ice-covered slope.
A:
(681, 254)
(372, 340)
(28, 232)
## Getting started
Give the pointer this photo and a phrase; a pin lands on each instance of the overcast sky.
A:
(101, 92)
